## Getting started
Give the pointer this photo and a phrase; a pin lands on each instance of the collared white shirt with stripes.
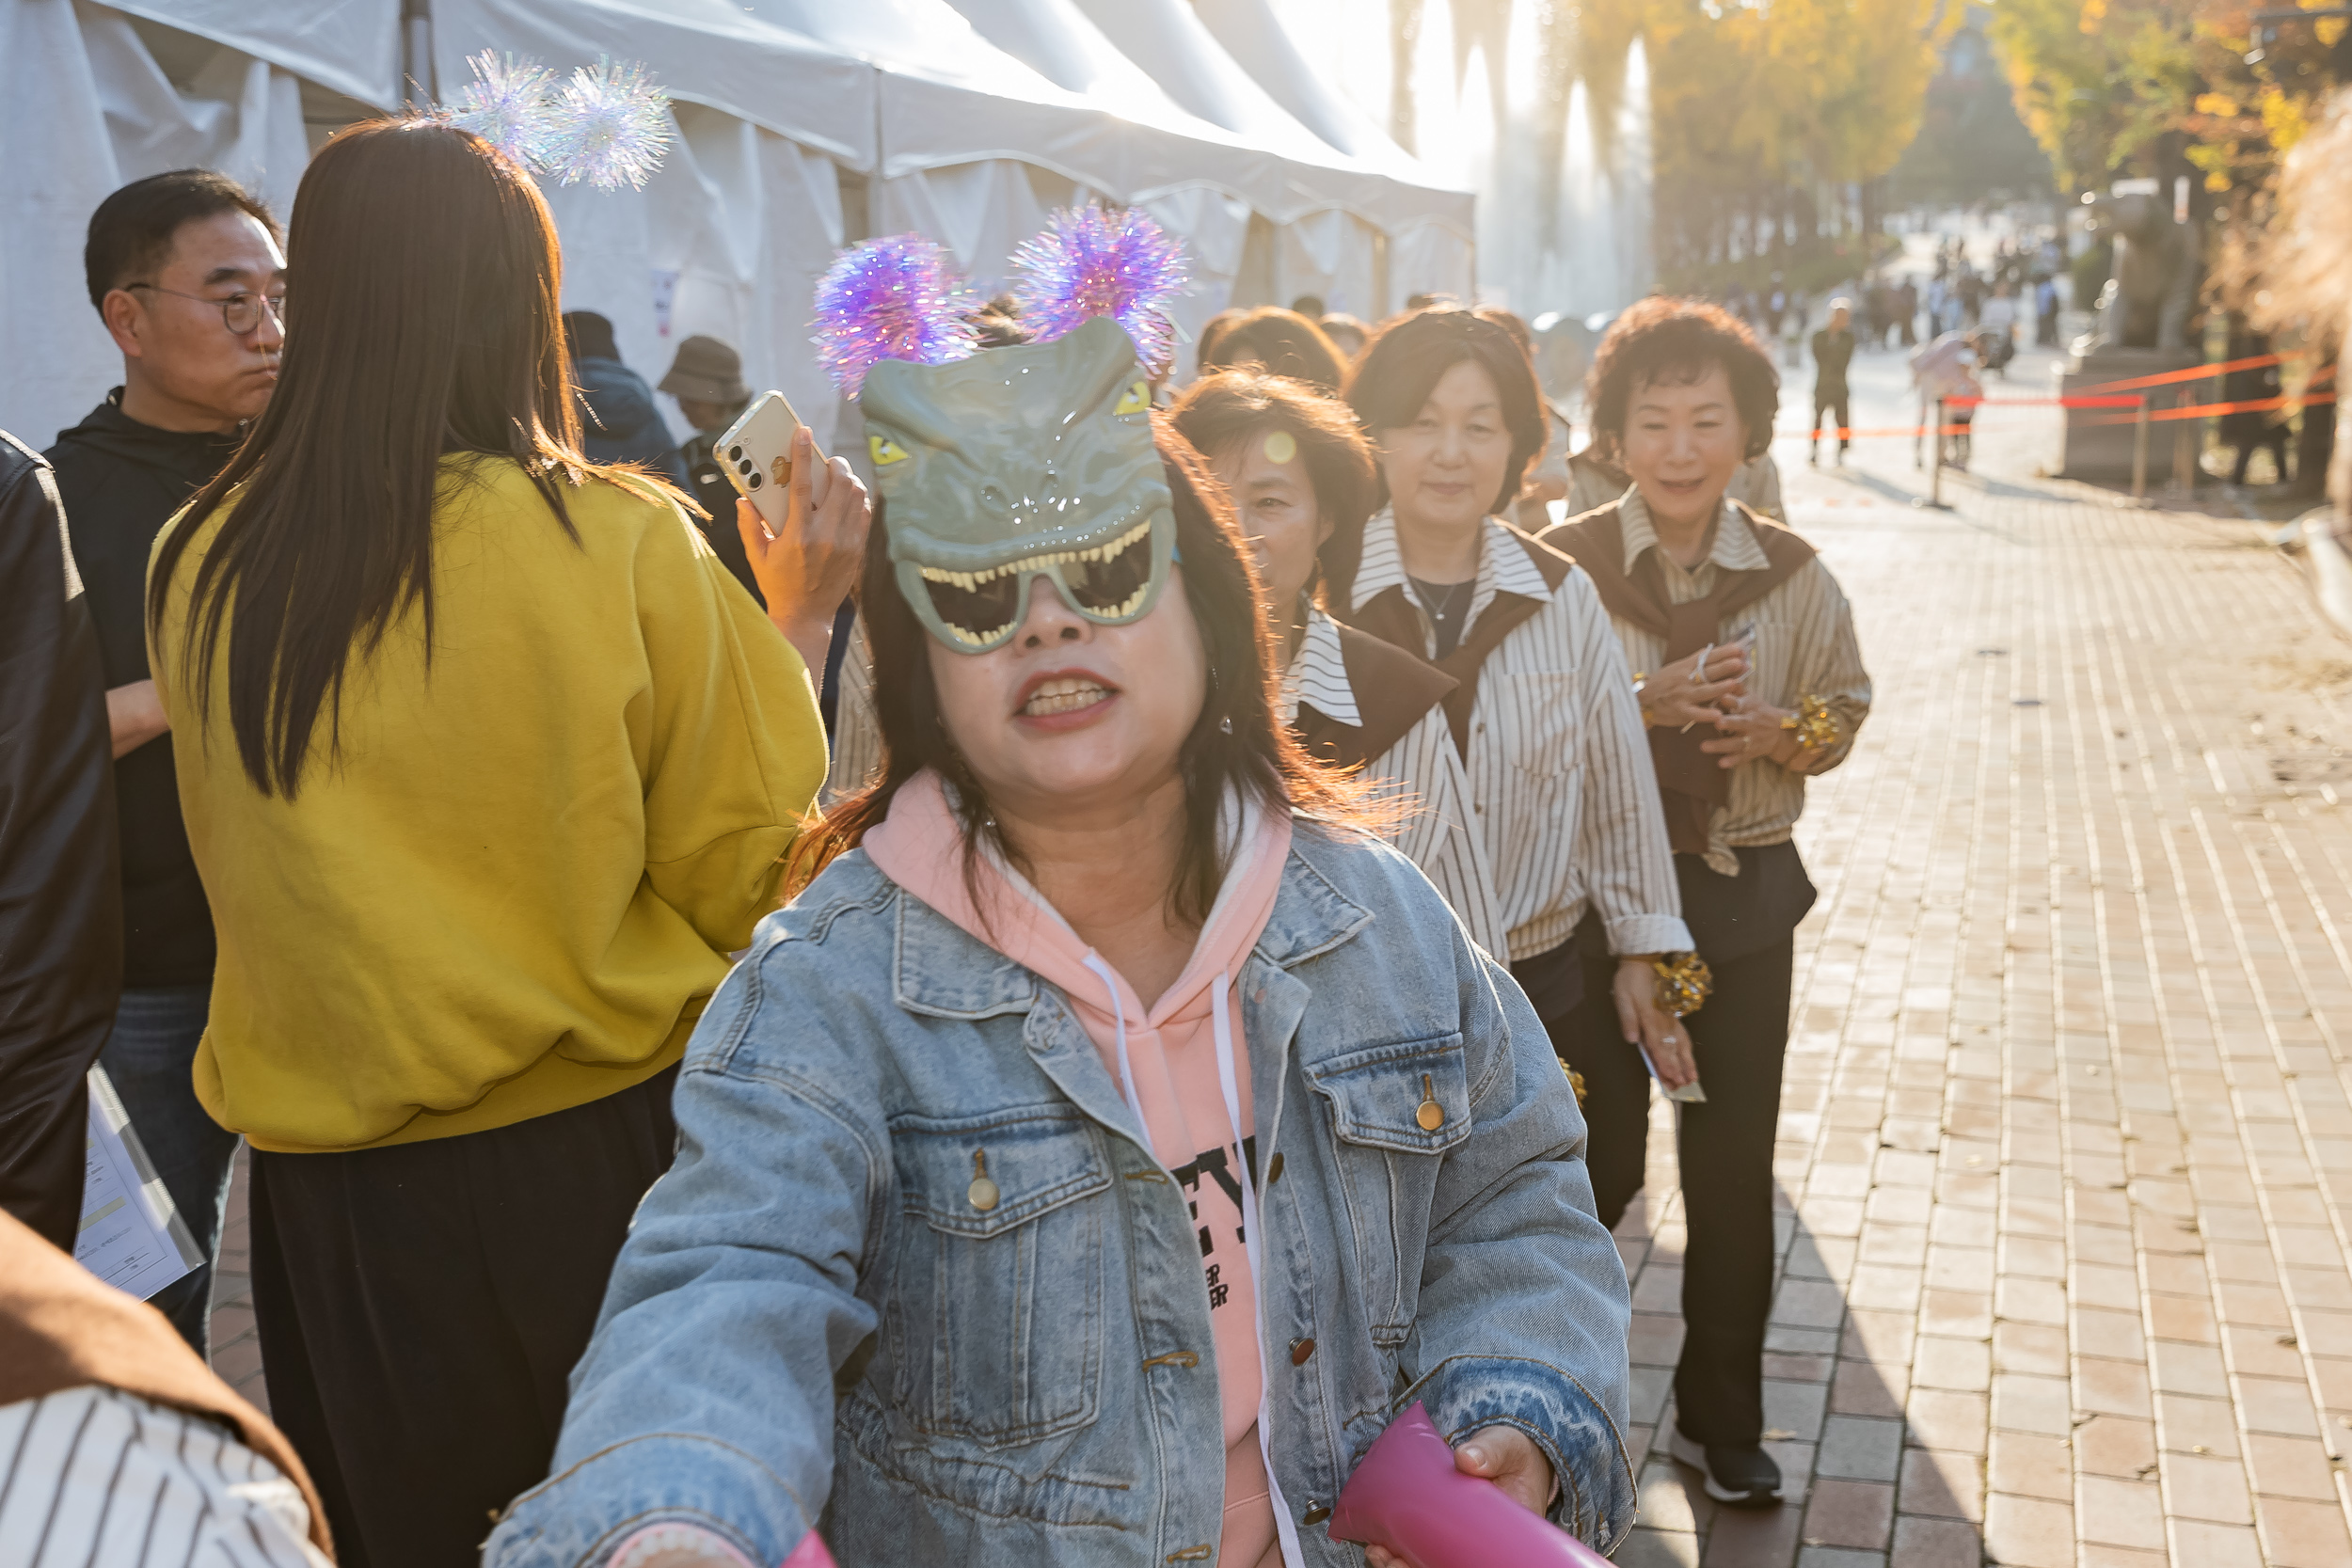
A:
(1559, 769)
(1805, 646)
(1421, 771)
(96, 1477)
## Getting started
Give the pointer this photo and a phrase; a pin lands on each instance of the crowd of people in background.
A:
(731, 1038)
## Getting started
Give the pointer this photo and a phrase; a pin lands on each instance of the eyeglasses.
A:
(1111, 585)
(240, 312)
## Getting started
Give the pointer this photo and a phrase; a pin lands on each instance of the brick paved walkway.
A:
(2065, 1157)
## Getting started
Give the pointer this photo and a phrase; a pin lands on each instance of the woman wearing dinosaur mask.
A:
(1114, 1133)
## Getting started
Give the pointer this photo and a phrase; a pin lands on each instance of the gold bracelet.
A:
(1684, 983)
(1814, 725)
(1576, 1082)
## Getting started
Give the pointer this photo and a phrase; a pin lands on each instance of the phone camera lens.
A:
(736, 453)
(754, 480)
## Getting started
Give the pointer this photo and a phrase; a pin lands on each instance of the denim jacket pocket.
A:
(1393, 1108)
(995, 1323)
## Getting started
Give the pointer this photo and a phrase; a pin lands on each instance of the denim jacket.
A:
(813, 1322)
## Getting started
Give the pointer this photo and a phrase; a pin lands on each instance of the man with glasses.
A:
(186, 271)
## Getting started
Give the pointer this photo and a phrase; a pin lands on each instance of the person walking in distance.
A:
(185, 271)
(1833, 351)
(490, 765)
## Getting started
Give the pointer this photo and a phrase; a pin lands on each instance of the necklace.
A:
(1443, 609)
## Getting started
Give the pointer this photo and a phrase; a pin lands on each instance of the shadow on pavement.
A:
(1862, 1478)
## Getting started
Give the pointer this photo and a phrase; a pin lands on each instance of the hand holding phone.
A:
(802, 520)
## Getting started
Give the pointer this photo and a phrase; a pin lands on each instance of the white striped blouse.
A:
(1422, 770)
(1559, 769)
(96, 1477)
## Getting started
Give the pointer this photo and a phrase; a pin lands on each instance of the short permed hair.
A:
(1673, 343)
(132, 231)
(1407, 357)
(1233, 406)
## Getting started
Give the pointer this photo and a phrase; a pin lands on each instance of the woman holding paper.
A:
(1752, 683)
(1114, 1135)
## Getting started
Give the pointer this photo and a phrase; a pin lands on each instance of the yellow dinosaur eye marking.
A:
(885, 451)
(1136, 399)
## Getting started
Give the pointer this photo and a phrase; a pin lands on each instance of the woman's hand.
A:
(1510, 1459)
(1675, 697)
(807, 570)
(135, 715)
(1751, 732)
(1659, 1033)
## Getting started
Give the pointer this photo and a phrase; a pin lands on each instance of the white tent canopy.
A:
(966, 119)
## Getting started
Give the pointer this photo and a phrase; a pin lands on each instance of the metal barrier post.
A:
(2185, 445)
(2139, 453)
(1935, 474)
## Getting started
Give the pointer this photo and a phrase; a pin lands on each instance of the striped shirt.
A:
(1804, 646)
(96, 1477)
(855, 760)
(1558, 770)
(1422, 771)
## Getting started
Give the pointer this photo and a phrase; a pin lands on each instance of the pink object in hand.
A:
(1407, 1496)
(810, 1553)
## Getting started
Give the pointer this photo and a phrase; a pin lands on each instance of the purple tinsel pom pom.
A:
(890, 299)
(1089, 263)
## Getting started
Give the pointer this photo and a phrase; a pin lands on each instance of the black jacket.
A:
(60, 900)
(716, 494)
(121, 481)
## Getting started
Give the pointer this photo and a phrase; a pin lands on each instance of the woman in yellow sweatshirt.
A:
(487, 763)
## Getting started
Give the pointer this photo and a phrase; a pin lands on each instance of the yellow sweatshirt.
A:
(513, 889)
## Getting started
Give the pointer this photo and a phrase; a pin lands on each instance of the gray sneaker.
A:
(1736, 1476)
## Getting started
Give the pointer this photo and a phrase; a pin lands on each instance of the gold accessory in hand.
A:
(1814, 725)
(1684, 983)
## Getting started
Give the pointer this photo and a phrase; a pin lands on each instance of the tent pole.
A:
(416, 53)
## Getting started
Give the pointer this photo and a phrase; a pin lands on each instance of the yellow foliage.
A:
(2284, 118)
(2217, 103)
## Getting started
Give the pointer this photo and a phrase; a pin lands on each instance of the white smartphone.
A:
(756, 454)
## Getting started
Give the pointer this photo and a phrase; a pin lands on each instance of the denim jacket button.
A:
(1300, 1349)
(1317, 1512)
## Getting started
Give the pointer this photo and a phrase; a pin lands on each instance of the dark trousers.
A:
(1835, 401)
(1724, 1145)
(150, 1058)
(420, 1307)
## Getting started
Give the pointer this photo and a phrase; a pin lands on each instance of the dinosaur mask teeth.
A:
(971, 581)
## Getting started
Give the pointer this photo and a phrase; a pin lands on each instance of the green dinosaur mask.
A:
(1017, 463)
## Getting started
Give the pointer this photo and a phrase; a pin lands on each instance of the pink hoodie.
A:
(1172, 1052)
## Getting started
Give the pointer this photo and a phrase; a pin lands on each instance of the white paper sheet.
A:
(132, 1237)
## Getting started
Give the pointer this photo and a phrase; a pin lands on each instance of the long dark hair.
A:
(423, 275)
(1238, 742)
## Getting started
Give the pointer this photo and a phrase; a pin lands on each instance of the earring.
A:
(1226, 724)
